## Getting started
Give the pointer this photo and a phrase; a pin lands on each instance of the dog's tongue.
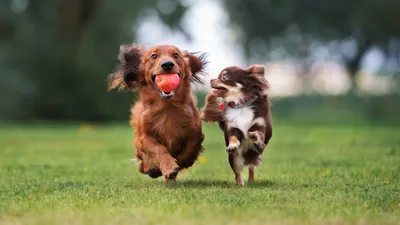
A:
(167, 82)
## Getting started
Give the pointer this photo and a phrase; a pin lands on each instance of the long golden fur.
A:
(168, 132)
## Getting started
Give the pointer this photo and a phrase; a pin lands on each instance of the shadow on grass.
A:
(218, 183)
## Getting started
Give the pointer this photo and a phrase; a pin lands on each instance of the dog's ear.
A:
(256, 75)
(127, 75)
(256, 69)
(197, 62)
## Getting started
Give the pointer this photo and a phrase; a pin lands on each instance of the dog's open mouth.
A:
(219, 90)
(166, 84)
(167, 95)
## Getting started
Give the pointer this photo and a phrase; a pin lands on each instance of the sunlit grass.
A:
(70, 174)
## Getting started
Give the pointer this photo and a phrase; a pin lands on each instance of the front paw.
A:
(154, 173)
(232, 149)
(169, 168)
(253, 135)
(258, 142)
(260, 147)
(171, 174)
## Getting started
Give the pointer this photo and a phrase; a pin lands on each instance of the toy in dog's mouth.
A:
(166, 84)
(218, 90)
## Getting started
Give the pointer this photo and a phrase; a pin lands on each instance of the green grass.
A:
(311, 173)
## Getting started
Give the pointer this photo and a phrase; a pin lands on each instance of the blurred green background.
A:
(325, 59)
(334, 72)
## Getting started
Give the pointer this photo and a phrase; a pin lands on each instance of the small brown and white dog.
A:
(240, 104)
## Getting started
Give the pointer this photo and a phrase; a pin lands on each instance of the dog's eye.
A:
(153, 56)
(225, 77)
(176, 55)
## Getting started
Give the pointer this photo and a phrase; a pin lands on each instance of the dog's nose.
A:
(167, 65)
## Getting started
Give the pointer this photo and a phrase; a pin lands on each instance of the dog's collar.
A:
(240, 103)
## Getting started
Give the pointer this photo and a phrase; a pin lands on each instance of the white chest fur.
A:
(240, 118)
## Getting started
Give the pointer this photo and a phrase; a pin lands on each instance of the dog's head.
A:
(140, 67)
(234, 83)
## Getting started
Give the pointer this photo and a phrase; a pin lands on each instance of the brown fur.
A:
(235, 84)
(168, 133)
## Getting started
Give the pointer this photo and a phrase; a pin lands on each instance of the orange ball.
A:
(167, 82)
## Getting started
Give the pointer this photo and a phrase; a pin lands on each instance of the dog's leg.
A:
(258, 138)
(158, 154)
(233, 138)
(257, 134)
(261, 131)
(233, 146)
(237, 164)
(192, 150)
(153, 171)
(251, 174)
(139, 154)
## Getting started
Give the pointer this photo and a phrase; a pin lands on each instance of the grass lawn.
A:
(311, 173)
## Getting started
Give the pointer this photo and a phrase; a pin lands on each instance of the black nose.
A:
(167, 65)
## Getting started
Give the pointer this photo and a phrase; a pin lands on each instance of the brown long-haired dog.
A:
(243, 113)
(167, 125)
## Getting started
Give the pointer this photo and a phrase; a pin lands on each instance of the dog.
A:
(167, 126)
(240, 104)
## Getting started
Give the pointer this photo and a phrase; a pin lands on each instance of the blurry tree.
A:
(365, 23)
(55, 56)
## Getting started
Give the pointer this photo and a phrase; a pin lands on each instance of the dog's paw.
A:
(154, 173)
(232, 149)
(170, 175)
(169, 167)
(255, 136)
(260, 146)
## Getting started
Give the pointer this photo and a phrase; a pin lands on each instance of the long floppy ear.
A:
(127, 75)
(197, 62)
